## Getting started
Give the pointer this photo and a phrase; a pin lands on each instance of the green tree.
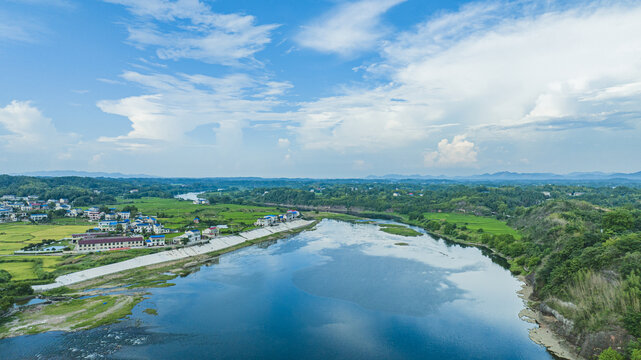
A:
(618, 220)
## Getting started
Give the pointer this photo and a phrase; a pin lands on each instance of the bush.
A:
(632, 322)
(4, 276)
(609, 354)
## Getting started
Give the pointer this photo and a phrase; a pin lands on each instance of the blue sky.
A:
(319, 88)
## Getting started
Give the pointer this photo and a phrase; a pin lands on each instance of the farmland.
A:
(472, 222)
(178, 214)
(16, 236)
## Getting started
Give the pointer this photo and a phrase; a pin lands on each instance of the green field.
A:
(24, 267)
(177, 214)
(16, 236)
(398, 230)
(473, 222)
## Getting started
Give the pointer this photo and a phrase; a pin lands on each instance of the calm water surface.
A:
(341, 291)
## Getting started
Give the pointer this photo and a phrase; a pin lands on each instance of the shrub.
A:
(610, 354)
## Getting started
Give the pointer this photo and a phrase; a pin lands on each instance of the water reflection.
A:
(342, 291)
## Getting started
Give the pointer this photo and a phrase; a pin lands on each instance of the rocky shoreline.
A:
(543, 334)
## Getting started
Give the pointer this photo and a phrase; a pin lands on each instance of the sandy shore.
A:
(542, 334)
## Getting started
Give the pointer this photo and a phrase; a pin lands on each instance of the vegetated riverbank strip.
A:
(214, 245)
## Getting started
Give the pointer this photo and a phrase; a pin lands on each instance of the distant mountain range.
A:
(514, 176)
(497, 176)
(59, 173)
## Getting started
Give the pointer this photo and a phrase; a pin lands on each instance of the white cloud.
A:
(190, 29)
(457, 152)
(28, 128)
(504, 74)
(349, 28)
(175, 105)
(283, 142)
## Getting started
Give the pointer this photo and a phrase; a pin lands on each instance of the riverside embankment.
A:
(216, 244)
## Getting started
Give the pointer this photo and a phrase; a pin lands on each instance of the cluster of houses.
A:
(24, 208)
(270, 220)
(122, 222)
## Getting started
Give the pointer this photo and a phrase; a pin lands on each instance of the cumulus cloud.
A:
(502, 73)
(349, 28)
(190, 29)
(175, 105)
(457, 152)
(28, 128)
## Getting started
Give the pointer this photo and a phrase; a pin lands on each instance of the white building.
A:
(108, 225)
(211, 232)
(94, 215)
(155, 240)
(267, 220)
(38, 217)
(124, 215)
(193, 235)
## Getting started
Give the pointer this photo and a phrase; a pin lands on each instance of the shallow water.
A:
(340, 291)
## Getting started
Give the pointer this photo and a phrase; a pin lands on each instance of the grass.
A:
(23, 270)
(149, 311)
(71, 314)
(398, 230)
(332, 216)
(473, 222)
(16, 236)
(178, 214)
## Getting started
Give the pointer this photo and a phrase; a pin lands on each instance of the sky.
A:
(319, 88)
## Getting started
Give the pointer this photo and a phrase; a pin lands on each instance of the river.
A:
(188, 196)
(341, 291)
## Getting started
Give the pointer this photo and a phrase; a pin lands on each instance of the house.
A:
(157, 228)
(143, 228)
(74, 212)
(38, 217)
(94, 215)
(124, 215)
(155, 240)
(211, 232)
(108, 225)
(193, 235)
(111, 216)
(109, 243)
(201, 202)
(291, 215)
(267, 220)
(196, 220)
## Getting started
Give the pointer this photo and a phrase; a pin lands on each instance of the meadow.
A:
(474, 223)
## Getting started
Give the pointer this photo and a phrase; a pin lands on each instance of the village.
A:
(113, 230)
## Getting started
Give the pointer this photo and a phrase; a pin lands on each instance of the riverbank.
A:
(543, 335)
(107, 299)
(213, 245)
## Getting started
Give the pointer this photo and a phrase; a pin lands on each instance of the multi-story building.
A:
(109, 243)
